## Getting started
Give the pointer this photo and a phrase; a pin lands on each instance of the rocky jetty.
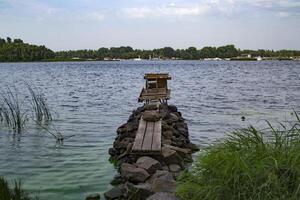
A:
(150, 176)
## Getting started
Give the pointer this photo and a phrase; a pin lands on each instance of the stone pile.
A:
(150, 176)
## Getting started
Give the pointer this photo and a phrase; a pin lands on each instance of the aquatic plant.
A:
(15, 113)
(248, 164)
(59, 137)
(40, 108)
(11, 112)
(14, 193)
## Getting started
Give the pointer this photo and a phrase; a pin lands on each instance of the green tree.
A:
(8, 39)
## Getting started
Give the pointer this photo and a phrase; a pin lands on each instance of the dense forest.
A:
(17, 50)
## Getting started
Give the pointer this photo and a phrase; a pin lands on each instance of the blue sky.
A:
(147, 24)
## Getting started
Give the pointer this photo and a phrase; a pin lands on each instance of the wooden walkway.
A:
(148, 137)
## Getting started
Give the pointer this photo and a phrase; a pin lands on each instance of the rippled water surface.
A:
(91, 99)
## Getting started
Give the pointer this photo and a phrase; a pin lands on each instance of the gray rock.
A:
(113, 151)
(166, 141)
(167, 134)
(123, 143)
(193, 147)
(122, 129)
(151, 116)
(183, 132)
(126, 135)
(172, 118)
(114, 193)
(163, 183)
(117, 180)
(181, 151)
(174, 168)
(95, 196)
(172, 108)
(162, 196)
(133, 173)
(148, 163)
(165, 126)
(132, 126)
(165, 168)
(164, 110)
(170, 156)
(142, 191)
(150, 107)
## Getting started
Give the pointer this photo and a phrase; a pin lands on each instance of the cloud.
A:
(283, 14)
(231, 8)
(171, 10)
(96, 16)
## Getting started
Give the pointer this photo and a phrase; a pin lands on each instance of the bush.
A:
(249, 164)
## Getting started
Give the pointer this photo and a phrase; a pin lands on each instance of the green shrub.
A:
(249, 164)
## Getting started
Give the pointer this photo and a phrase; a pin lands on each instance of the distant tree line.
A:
(17, 50)
(191, 53)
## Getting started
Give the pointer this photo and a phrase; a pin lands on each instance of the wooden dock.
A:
(148, 137)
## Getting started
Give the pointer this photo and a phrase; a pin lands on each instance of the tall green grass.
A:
(248, 164)
(14, 192)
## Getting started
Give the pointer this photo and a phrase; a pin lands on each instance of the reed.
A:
(248, 164)
(59, 137)
(15, 192)
(40, 109)
(15, 113)
(11, 112)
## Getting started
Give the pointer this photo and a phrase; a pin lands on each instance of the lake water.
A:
(91, 99)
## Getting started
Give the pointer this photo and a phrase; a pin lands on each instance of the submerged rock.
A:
(193, 147)
(95, 196)
(113, 194)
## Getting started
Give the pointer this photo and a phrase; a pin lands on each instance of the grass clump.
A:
(249, 164)
(13, 193)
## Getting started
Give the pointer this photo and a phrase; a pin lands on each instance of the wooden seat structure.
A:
(156, 88)
(148, 136)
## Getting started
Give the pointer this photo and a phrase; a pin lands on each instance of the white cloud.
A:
(171, 10)
(96, 16)
(283, 14)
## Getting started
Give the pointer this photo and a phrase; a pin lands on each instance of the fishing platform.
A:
(156, 88)
(155, 92)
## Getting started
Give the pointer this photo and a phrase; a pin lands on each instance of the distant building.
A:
(245, 55)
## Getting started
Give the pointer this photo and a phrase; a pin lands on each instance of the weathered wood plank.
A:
(156, 140)
(138, 141)
(147, 144)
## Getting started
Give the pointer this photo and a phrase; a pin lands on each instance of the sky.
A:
(148, 24)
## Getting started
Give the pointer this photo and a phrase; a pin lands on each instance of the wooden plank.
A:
(138, 141)
(147, 143)
(156, 140)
